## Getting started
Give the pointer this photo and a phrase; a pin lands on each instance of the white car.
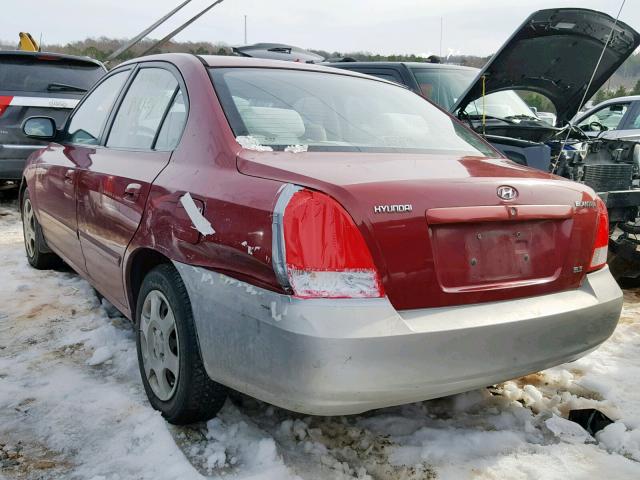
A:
(617, 117)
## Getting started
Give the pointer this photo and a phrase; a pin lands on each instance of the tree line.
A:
(625, 81)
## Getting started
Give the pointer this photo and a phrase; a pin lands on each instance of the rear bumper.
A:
(330, 357)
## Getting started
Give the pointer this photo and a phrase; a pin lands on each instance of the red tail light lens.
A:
(326, 255)
(601, 245)
(4, 103)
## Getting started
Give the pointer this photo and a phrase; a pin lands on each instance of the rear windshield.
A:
(277, 108)
(31, 74)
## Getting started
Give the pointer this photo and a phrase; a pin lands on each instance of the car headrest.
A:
(273, 123)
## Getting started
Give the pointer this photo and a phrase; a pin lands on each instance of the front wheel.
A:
(38, 253)
(172, 371)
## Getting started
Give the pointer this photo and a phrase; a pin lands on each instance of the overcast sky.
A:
(473, 27)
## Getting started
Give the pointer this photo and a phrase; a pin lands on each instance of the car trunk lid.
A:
(459, 242)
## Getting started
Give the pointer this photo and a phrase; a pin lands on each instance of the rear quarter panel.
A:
(238, 207)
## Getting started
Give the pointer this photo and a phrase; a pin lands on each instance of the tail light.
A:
(4, 103)
(324, 253)
(600, 247)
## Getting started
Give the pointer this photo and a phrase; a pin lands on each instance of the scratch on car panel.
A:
(274, 311)
(202, 224)
(250, 250)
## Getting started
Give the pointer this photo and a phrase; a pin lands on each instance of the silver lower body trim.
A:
(20, 147)
(346, 356)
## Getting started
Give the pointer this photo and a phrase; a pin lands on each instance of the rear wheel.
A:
(38, 253)
(172, 371)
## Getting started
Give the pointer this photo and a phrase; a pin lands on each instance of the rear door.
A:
(115, 179)
(56, 177)
(32, 85)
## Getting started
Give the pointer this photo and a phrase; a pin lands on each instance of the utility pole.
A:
(441, 28)
(245, 29)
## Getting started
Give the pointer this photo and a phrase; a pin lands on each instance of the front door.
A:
(57, 172)
(113, 186)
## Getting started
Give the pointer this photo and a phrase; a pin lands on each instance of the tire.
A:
(38, 253)
(187, 395)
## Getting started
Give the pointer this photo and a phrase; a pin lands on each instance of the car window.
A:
(142, 109)
(88, 121)
(634, 122)
(42, 73)
(173, 124)
(383, 73)
(609, 117)
(444, 86)
(329, 112)
(386, 76)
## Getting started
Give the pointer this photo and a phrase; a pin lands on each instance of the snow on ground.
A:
(72, 406)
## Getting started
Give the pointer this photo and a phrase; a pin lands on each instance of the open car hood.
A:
(554, 53)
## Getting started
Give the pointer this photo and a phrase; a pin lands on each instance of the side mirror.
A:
(42, 128)
(534, 110)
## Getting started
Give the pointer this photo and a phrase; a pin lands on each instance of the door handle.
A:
(132, 191)
(68, 175)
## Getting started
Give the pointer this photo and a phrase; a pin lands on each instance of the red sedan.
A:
(321, 240)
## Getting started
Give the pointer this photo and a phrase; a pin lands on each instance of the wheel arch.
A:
(22, 189)
(141, 262)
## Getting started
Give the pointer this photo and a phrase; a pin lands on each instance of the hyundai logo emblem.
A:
(505, 192)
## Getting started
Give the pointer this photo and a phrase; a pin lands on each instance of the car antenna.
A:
(555, 164)
(180, 28)
(484, 113)
(144, 33)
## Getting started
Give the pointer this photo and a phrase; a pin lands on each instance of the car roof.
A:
(266, 46)
(628, 98)
(604, 103)
(226, 61)
(220, 61)
(408, 64)
(50, 56)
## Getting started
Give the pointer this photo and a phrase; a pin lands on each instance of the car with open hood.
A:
(554, 53)
(321, 240)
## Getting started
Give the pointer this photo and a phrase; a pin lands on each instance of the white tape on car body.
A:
(199, 222)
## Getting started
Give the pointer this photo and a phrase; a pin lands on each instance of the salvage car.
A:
(37, 83)
(321, 240)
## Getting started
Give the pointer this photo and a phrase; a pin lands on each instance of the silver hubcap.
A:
(29, 228)
(159, 344)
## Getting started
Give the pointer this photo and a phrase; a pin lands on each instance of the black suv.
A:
(36, 84)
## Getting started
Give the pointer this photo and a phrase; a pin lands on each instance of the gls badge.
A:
(392, 208)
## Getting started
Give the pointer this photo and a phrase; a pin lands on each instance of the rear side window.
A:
(87, 123)
(38, 74)
(173, 124)
(143, 109)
